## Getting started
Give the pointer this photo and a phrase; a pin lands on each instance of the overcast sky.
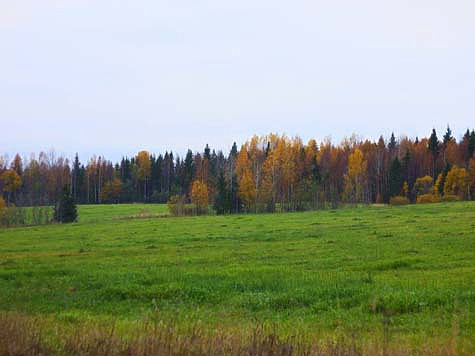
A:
(112, 77)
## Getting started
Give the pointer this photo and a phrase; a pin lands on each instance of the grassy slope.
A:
(328, 270)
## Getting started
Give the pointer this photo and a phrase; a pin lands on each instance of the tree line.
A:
(267, 173)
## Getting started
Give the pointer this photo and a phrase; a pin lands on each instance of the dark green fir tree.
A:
(65, 210)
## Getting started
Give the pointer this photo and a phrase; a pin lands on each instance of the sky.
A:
(114, 77)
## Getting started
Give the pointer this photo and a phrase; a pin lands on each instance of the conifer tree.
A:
(471, 144)
(433, 147)
(395, 181)
(65, 210)
(392, 143)
(448, 136)
(222, 203)
(75, 177)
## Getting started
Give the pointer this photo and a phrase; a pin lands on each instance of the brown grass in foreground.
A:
(22, 335)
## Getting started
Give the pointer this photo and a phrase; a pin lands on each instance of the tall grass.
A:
(22, 335)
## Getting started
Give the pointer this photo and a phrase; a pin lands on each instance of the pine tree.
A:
(65, 210)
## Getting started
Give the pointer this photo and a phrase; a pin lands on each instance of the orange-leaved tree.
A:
(199, 196)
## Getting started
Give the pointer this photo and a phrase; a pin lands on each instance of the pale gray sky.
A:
(112, 77)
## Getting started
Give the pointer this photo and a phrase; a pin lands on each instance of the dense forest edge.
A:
(267, 174)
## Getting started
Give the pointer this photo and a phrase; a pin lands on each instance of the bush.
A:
(176, 205)
(428, 198)
(398, 200)
(450, 198)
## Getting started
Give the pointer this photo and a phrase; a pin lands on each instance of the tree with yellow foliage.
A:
(144, 170)
(456, 182)
(199, 196)
(247, 187)
(355, 177)
(247, 190)
(11, 183)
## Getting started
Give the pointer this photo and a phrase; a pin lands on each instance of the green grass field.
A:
(408, 271)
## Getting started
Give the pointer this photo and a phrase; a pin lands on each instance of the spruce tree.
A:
(392, 143)
(433, 147)
(395, 179)
(65, 210)
(75, 177)
(234, 151)
(448, 135)
(222, 203)
(471, 144)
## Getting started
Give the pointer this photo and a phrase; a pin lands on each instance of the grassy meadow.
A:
(403, 275)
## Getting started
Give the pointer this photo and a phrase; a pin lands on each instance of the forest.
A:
(266, 174)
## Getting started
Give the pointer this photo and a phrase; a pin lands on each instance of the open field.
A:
(403, 274)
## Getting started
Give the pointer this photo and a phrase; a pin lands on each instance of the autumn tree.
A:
(247, 188)
(11, 183)
(199, 196)
(456, 182)
(17, 165)
(144, 170)
(355, 177)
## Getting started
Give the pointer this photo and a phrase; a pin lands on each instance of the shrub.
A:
(428, 198)
(398, 200)
(176, 205)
